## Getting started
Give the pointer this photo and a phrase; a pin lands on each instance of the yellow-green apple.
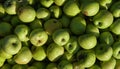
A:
(24, 56)
(59, 2)
(95, 66)
(37, 23)
(4, 54)
(103, 19)
(54, 52)
(103, 52)
(38, 37)
(51, 66)
(87, 41)
(2, 61)
(52, 25)
(76, 65)
(78, 25)
(61, 37)
(67, 56)
(46, 3)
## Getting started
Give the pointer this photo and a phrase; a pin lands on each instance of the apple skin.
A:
(52, 25)
(38, 37)
(87, 41)
(26, 14)
(71, 8)
(36, 24)
(78, 25)
(32, 67)
(76, 65)
(115, 27)
(22, 31)
(116, 50)
(43, 13)
(54, 52)
(39, 54)
(18, 66)
(46, 3)
(95, 66)
(110, 64)
(51, 66)
(106, 37)
(61, 37)
(24, 56)
(103, 19)
(86, 58)
(115, 9)
(103, 52)
(6, 66)
(11, 44)
(72, 45)
(59, 2)
(2, 61)
(4, 54)
(11, 61)
(64, 64)
(117, 66)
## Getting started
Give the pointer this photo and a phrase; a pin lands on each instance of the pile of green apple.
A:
(59, 34)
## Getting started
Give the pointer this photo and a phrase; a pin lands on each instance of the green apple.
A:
(19, 66)
(65, 20)
(11, 61)
(6, 66)
(26, 14)
(95, 66)
(71, 8)
(68, 56)
(78, 25)
(11, 44)
(46, 3)
(59, 2)
(56, 10)
(61, 37)
(90, 28)
(106, 37)
(117, 66)
(103, 19)
(54, 52)
(115, 27)
(38, 37)
(5, 28)
(115, 9)
(89, 8)
(87, 41)
(10, 7)
(72, 46)
(4, 54)
(110, 64)
(86, 58)
(103, 52)
(39, 65)
(2, 61)
(76, 65)
(51, 66)
(36, 24)
(24, 56)
(43, 13)
(52, 25)
(2, 10)
(116, 50)
(64, 64)
(32, 67)
(22, 31)
(39, 54)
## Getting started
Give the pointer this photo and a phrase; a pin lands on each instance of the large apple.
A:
(11, 44)
(61, 37)
(87, 41)
(38, 37)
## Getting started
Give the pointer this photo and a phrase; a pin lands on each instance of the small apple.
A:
(46, 3)
(115, 27)
(103, 19)
(116, 50)
(103, 52)
(87, 41)
(71, 8)
(51, 66)
(106, 37)
(22, 31)
(2, 10)
(6, 66)
(90, 28)
(52, 25)
(86, 58)
(72, 45)
(95, 66)
(43, 13)
(64, 64)
(78, 25)
(38, 37)
(115, 9)
(54, 52)
(59, 2)
(24, 56)
(39, 54)
(61, 37)
(19, 66)
(110, 64)
(36, 24)
(26, 14)
(56, 10)
(5, 29)
(11, 44)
